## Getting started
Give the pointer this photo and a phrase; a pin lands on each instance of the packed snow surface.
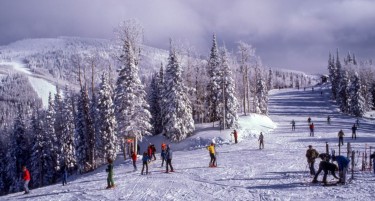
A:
(244, 172)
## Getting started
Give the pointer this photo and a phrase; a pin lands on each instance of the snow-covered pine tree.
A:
(93, 128)
(53, 143)
(230, 101)
(153, 100)
(80, 133)
(270, 78)
(67, 139)
(343, 92)
(131, 109)
(213, 87)
(338, 76)
(262, 94)
(178, 120)
(38, 150)
(332, 75)
(58, 124)
(107, 121)
(357, 101)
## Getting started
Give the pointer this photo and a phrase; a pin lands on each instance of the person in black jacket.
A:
(325, 166)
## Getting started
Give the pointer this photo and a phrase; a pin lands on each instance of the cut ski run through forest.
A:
(244, 172)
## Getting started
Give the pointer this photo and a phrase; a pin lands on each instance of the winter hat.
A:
(310, 146)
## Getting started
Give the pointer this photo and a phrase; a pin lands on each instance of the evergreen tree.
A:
(338, 76)
(107, 121)
(229, 100)
(155, 110)
(213, 87)
(270, 78)
(40, 155)
(262, 94)
(80, 133)
(332, 75)
(343, 93)
(357, 101)
(53, 143)
(67, 139)
(178, 120)
(131, 108)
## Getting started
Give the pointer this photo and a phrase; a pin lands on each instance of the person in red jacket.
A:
(134, 158)
(26, 179)
(235, 134)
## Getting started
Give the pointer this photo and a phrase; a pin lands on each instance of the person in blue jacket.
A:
(145, 160)
(162, 154)
(64, 175)
(343, 163)
(168, 157)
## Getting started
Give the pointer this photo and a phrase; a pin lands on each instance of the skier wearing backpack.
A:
(211, 150)
(311, 155)
(145, 160)
(110, 182)
(168, 156)
(343, 163)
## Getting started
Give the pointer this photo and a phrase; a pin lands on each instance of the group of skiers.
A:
(327, 166)
(340, 133)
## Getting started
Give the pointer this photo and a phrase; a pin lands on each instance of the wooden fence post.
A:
(353, 164)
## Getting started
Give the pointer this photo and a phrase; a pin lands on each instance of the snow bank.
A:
(250, 127)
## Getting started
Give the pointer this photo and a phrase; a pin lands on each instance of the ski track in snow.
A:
(41, 86)
(279, 172)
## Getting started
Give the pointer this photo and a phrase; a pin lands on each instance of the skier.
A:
(110, 182)
(311, 130)
(343, 163)
(168, 156)
(341, 137)
(354, 131)
(162, 154)
(372, 156)
(153, 149)
(211, 150)
(234, 133)
(357, 122)
(293, 125)
(26, 179)
(149, 151)
(325, 166)
(138, 149)
(329, 119)
(163, 146)
(134, 159)
(261, 142)
(309, 120)
(145, 160)
(312, 88)
(311, 155)
(64, 175)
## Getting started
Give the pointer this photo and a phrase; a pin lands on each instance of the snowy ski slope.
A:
(279, 172)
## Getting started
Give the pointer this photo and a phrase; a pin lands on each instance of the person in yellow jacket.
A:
(211, 150)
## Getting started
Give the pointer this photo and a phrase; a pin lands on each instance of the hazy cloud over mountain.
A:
(291, 34)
